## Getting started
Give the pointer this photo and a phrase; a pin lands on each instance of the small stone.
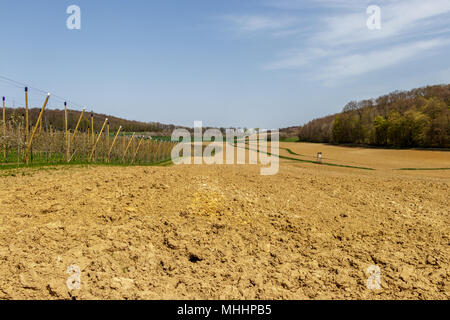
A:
(431, 260)
(406, 273)
(122, 283)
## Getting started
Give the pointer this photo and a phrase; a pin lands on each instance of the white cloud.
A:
(337, 40)
(357, 64)
(300, 4)
(254, 23)
(342, 45)
(398, 18)
(297, 59)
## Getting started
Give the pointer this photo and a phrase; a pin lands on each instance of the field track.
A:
(226, 232)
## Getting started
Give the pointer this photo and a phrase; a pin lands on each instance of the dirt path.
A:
(224, 232)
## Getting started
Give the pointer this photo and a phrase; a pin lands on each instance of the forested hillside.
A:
(416, 118)
(55, 118)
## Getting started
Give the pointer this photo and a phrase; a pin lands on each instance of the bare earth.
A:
(226, 232)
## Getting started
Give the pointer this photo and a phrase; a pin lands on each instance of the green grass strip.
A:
(292, 139)
(420, 169)
(161, 163)
(293, 153)
(308, 161)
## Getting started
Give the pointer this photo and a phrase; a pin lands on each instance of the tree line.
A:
(55, 119)
(415, 118)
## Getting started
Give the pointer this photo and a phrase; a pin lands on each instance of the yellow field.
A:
(380, 159)
(226, 232)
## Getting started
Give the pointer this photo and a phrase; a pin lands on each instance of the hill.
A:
(55, 118)
(415, 118)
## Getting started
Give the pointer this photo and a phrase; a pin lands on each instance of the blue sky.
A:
(253, 63)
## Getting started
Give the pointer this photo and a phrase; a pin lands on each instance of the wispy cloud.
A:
(301, 4)
(254, 23)
(337, 41)
(297, 59)
(398, 18)
(341, 45)
(357, 64)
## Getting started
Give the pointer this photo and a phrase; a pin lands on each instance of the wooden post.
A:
(66, 131)
(40, 124)
(4, 130)
(25, 158)
(49, 149)
(128, 146)
(165, 149)
(76, 128)
(24, 136)
(157, 151)
(112, 145)
(27, 132)
(137, 149)
(147, 153)
(92, 128)
(151, 148)
(107, 135)
(20, 139)
(98, 138)
(31, 150)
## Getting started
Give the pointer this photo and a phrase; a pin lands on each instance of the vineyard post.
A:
(98, 138)
(137, 149)
(66, 132)
(26, 115)
(168, 149)
(157, 151)
(24, 137)
(76, 127)
(107, 135)
(31, 150)
(152, 147)
(92, 128)
(88, 140)
(163, 145)
(112, 145)
(128, 146)
(40, 124)
(4, 130)
(49, 149)
(150, 150)
(20, 138)
(30, 142)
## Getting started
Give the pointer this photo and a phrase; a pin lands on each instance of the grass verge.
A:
(15, 169)
(307, 161)
(420, 169)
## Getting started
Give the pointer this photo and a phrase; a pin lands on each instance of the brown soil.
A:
(380, 159)
(226, 232)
